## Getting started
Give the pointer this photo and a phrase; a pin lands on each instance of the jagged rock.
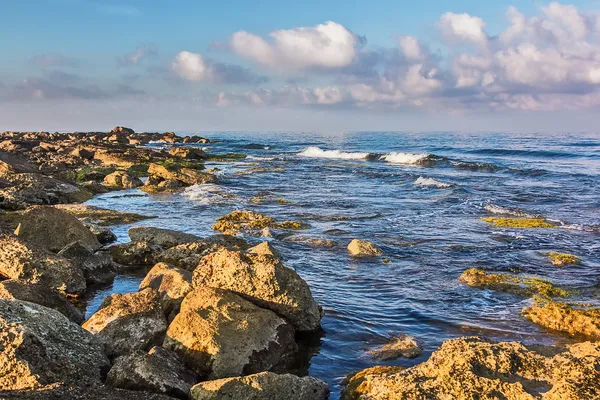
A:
(189, 153)
(101, 216)
(262, 386)
(476, 368)
(219, 334)
(40, 294)
(122, 179)
(53, 229)
(122, 130)
(173, 177)
(72, 392)
(251, 222)
(103, 234)
(40, 346)
(362, 248)
(26, 262)
(158, 371)
(82, 152)
(172, 285)
(160, 237)
(188, 255)
(97, 267)
(562, 317)
(401, 346)
(265, 249)
(128, 322)
(263, 280)
(135, 253)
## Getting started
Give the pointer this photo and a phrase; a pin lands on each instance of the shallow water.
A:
(426, 217)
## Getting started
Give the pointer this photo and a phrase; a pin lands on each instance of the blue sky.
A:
(312, 65)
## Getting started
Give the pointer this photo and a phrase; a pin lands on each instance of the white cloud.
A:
(463, 27)
(192, 67)
(411, 48)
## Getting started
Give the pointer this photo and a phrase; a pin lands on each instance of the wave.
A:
(405, 158)
(317, 152)
(260, 158)
(515, 212)
(207, 193)
(430, 182)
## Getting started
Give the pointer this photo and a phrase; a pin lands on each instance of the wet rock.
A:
(262, 386)
(128, 322)
(189, 153)
(562, 259)
(263, 280)
(26, 262)
(158, 371)
(251, 222)
(522, 223)
(97, 267)
(562, 317)
(362, 248)
(522, 286)
(188, 255)
(313, 241)
(401, 346)
(172, 285)
(102, 216)
(53, 229)
(173, 177)
(122, 179)
(40, 294)
(72, 392)
(135, 254)
(264, 249)
(160, 237)
(40, 346)
(219, 334)
(103, 234)
(476, 368)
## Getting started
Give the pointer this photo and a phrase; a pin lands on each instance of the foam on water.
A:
(430, 182)
(317, 152)
(206, 193)
(404, 158)
(496, 209)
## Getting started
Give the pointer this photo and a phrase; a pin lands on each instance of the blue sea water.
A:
(420, 197)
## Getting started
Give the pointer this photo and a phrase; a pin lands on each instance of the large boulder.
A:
(40, 294)
(122, 179)
(188, 255)
(97, 267)
(189, 153)
(158, 371)
(128, 322)
(29, 263)
(172, 285)
(40, 346)
(263, 280)
(219, 334)
(173, 177)
(262, 386)
(53, 229)
(476, 368)
(135, 253)
(158, 236)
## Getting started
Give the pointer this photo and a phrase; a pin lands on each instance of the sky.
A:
(330, 66)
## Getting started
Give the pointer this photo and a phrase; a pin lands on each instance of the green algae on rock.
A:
(522, 223)
(573, 319)
(523, 286)
(562, 259)
(248, 221)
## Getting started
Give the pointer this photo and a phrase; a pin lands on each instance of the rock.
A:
(189, 153)
(40, 294)
(219, 334)
(128, 322)
(121, 130)
(172, 285)
(476, 368)
(158, 371)
(263, 280)
(520, 223)
(135, 253)
(72, 392)
(262, 386)
(264, 249)
(84, 153)
(562, 259)
(122, 179)
(188, 255)
(26, 262)
(362, 248)
(401, 346)
(160, 237)
(562, 317)
(97, 267)
(40, 346)
(53, 229)
(522, 286)
(251, 222)
(163, 177)
(102, 216)
(103, 234)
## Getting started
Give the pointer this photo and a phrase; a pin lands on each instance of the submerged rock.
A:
(128, 322)
(362, 248)
(158, 371)
(401, 346)
(160, 237)
(97, 267)
(476, 368)
(219, 334)
(263, 280)
(562, 259)
(262, 386)
(562, 317)
(523, 223)
(252, 222)
(40, 346)
(523, 286)
(172, 285)
(122, 179)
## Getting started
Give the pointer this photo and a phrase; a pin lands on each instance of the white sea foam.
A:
(496, 209)
(260, 158)
(317, 152)
(206, 193)
(404, 158)
(430, 182)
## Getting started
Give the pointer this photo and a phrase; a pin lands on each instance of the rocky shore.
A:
(215, 317)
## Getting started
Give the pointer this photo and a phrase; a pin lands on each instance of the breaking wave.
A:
(207, 193)
(405, 158)
(317, 152)
(430, 182)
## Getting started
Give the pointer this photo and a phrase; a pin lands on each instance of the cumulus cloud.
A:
(137, 56)
(463, 28)
(194, 67)
(328, 45)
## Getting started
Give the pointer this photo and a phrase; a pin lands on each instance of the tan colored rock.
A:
(172, 285)
(101, 216)
(562, 317)
(40, 346)
(128, 322)
(135, 253)
(189, 153)
(476, 368)
(219, 334)
(264, 249)
(158, 236)
(262, 386)
(188, 255)
(265, 281)
(74, 392)
(84, 153)
(122, 179)
(401, 346)
(186, 176)
(362, 248)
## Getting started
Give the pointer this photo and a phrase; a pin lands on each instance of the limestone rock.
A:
(219, 334)
(103, 234)
(263, 280)
(101, 216)
(265, 249)
(158, 236)
(178, 176)
(189, 153)
(188, 255)
(362, 248)
(172, 285)
(73, 392)
(262, 386)
(40, 346)
(401, 346)
(562, 317)
(122, 130)
(97, 267)
(128, 322)
(135, 253)
(122, 179)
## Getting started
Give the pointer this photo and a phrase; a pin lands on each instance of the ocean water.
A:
(420, 197)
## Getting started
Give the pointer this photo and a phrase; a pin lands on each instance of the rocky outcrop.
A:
(102, 233)
(219, 334)
(401, 346)
(97, 267)
(263, 280)
(101, 216)
(40, 346)
(172, 285)
(188, 255)
(160, 237)
(562, 317)
(362, 248)
(135, 254)
(476, 368)
(189, 153)
(169, 178)
(128, 322)
(122, 179)
(40, 294)
(26, 262)
(53, 229)
(262, 386)
(158, 371)
(251, 222)
(522, 286)
(264, 249)
(121, 130)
